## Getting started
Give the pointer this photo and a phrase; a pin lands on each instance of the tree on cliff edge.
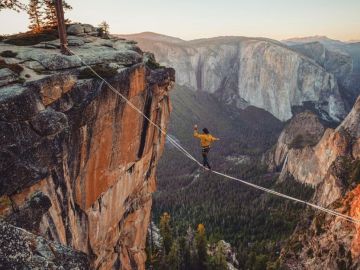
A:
(11, 4)
(104, 28)
(50, 12)
(36, 16)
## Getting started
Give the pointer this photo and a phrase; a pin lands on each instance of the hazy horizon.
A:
(284, 39)
(276, 19)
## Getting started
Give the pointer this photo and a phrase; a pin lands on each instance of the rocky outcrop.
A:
(72, 145)
(320, 165)
(333, 167)
(305, 129)
(28, 216)
(251, 71)
(20, 249)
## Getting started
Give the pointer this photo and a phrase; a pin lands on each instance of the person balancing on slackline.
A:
(206, 139)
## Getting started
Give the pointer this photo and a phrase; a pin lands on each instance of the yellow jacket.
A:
(205, 139)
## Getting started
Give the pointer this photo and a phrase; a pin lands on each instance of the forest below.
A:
(255, 224)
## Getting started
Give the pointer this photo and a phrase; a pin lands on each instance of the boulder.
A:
(88, 28)
(75, 29)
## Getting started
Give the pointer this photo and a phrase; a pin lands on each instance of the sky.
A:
(191, 19)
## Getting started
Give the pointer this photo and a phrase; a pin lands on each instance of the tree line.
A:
(42, 13)
(190, 251)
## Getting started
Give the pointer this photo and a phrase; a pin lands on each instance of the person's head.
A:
(206, 131)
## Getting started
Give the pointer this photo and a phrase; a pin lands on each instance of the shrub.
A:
(152, 64)
(30, 38)
(9, 54)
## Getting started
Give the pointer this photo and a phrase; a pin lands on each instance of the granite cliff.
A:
(332, 167)
(250, 71)
(304, 129)
(78, 164)
(340, 58)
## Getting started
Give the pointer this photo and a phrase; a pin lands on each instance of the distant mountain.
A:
(243, 71)
(152, 36)
(340, 58)
(330, 43)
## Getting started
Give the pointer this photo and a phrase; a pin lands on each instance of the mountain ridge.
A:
(244, 71)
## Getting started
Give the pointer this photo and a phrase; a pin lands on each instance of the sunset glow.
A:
(189, 19)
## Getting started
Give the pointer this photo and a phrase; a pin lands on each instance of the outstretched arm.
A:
(196, 133)
(214, 138)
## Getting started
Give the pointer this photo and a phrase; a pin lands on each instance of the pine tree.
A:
(201, 247)
(50, 12)
(104, 29)
(190, 239)
(166, 233)
(12, 4)
(35, 14)
(185, 254)
(218, 261)
(173, 260)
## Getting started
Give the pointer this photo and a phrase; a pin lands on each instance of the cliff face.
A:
(337, 62)
(251, 71)
(320, 165)
(304, 129)
(340, 58)
(65, 134)
(333, 168)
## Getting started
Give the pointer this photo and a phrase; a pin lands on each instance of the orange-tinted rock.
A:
(52, 90)
(329, 242)
(355, 213)
(69, 141)
(100, 188)
(137, 82)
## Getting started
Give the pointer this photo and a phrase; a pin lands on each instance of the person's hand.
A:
(195, 127)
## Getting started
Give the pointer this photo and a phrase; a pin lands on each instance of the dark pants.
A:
(205, 152)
